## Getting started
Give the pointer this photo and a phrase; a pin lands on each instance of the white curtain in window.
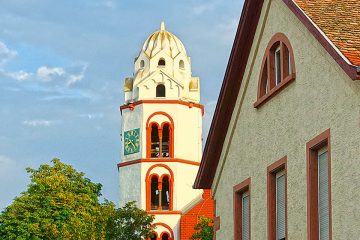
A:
(280, 206)
(245, 216)
(323, 200)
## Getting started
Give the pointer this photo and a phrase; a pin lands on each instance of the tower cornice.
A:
(131, 106)
(157, 160)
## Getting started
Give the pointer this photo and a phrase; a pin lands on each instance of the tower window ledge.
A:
(153, 212)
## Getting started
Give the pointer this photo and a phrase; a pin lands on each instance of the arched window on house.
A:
(277, 69)
(154, 193)
(165, 193)
(165, 236)
(160, 90)
(155, 141)
(181, 64)
(161, 62)
(165, 141)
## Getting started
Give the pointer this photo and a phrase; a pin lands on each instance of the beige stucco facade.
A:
(322, 97)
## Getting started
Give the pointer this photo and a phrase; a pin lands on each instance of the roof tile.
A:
(340, 22)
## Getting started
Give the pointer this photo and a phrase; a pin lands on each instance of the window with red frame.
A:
(160, 141)
(165, 236)
(278, 68)
(160, 192)
(154, 193)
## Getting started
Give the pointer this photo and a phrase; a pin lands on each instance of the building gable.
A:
(233, 80)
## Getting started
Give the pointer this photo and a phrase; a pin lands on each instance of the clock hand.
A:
(132, 143)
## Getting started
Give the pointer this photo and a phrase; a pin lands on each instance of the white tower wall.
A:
(181, 109)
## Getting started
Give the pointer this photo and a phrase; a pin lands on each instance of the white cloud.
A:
(103, 3)
(206, 6)
(74, 78)
(92, 115)
(19, 75)
(6, 54)
(47, 73)
(69, 76)
(38, 123)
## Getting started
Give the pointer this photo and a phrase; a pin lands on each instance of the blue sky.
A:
(62, 65)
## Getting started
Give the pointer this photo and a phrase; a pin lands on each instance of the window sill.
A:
(153, 212)
(275, 90)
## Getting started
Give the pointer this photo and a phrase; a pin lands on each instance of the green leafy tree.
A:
(60, 203)
(130, 223)
(204, 230)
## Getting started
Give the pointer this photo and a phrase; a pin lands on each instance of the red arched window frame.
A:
(169, 230)
(160, 179)
(149, 124)
(277, 68)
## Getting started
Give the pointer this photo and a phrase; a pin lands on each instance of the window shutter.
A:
(245, 216)
(323, 198)
(280, 206)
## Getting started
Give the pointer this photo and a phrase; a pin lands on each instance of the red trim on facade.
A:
(159, 113)
(312, 148)
(148, 186)
(238, 191)
(167, 227)
(131, 106)
(157, 160)
(271, 196)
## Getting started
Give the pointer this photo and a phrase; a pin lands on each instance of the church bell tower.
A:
(161, 134)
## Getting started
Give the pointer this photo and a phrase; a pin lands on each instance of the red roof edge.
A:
(348, 68)
(229, 91)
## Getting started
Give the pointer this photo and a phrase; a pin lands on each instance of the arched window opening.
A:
(160, 90)
(154, 193)
(278, 68)
(165, 236)
(142, 64)
(165, 193)
(153, 236)
(181, 64)
(155, 141)
(165, 141)
(161, 62)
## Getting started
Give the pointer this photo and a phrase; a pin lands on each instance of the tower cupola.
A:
(162, 61)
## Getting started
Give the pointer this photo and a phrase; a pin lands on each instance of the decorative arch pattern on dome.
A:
(159, 188)
(163, 40)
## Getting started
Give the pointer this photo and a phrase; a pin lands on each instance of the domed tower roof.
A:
(163, 40)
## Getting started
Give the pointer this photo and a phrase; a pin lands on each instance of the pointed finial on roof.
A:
(162, 26)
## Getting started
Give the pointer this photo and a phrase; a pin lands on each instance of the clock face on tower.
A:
(131, 141)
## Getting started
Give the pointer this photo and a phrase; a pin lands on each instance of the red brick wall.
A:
(189, 220)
